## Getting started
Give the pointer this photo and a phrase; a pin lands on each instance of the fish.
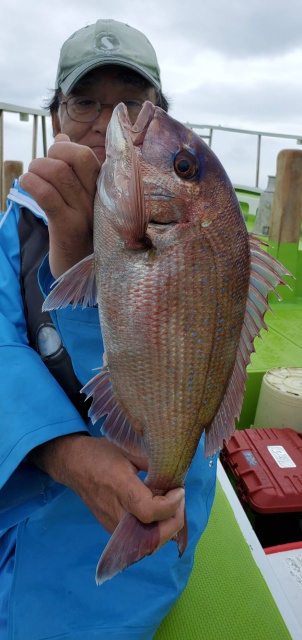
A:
(182, 290)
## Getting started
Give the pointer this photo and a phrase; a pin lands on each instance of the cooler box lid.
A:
(267, 466)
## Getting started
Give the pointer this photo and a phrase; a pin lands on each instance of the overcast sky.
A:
(234, 63)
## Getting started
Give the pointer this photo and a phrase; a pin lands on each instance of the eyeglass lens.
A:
(83, 109)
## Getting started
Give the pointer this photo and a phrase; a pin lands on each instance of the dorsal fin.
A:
(266, 273)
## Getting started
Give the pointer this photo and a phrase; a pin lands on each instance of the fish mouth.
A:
(142, 123)
(158, 196)
(135, 134)
(138, 130)
(162, 226)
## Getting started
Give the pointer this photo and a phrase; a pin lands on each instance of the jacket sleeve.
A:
(33, 407)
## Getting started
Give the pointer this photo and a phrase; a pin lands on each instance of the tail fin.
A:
(131, 541)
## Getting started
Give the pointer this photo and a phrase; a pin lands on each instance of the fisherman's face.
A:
(109, 85)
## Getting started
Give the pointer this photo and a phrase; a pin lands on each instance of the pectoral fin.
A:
(75, 286)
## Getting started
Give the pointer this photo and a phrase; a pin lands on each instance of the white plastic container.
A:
(280, 400)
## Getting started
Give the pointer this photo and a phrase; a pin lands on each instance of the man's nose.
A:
(103, 119)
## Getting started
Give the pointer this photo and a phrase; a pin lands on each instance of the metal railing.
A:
(259, 134)
(24, 115)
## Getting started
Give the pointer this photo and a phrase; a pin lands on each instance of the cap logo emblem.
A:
(106, 42)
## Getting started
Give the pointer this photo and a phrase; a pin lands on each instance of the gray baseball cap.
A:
(106, 42)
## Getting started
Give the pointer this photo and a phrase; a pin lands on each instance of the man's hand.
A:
(64, 185)
(106, 479)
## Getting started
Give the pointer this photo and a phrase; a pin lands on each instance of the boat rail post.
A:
(285, 223)
(210, 138)
(11, 169)
(35, 136)
(258, 159)
(44, 135)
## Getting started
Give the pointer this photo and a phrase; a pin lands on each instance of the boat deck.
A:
(233, 592)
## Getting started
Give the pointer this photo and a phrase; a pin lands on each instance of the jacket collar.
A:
(22, 198)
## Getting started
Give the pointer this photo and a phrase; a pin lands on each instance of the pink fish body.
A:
(182, 291)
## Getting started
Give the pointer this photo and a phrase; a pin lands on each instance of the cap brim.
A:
(70, 81)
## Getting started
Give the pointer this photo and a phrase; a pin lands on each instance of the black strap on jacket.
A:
(34, 245)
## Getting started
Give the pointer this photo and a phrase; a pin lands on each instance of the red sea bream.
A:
(182, 291)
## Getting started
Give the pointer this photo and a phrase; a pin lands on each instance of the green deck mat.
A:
(226, 597)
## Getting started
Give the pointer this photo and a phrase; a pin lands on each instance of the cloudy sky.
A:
(234, 63)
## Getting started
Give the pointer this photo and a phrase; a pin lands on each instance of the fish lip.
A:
(144, 118)
(161, 225)
(137, 131)
(158, 196)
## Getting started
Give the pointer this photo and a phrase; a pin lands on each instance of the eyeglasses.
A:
(81, 109)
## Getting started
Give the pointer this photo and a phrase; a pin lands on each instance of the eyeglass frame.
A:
(102, 105)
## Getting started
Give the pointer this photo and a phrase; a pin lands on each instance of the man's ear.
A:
(56, 127)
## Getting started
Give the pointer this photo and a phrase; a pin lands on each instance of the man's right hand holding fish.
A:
(106, 479)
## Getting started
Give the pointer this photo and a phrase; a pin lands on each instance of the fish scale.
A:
(182, 290)
(165, 335)
(150, 362)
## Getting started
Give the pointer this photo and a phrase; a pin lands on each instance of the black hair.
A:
(125, 75)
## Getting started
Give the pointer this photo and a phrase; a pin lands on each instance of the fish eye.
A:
(185, 165)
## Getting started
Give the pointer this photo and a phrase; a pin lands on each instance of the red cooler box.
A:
(265, 465)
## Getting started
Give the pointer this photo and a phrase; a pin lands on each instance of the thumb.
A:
(62, 137)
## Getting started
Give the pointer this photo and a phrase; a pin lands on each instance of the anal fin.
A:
(116, 427)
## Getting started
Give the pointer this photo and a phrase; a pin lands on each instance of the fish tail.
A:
(131, 541)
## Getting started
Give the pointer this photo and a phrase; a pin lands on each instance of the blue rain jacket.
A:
(49, 541)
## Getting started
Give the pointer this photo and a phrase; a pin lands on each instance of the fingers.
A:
(170, 527)
(81, 159)
(133, 495)
(52, 185)
(64, 185)
(168, 510)
(139, 500)
(66, 176)
(117, 489)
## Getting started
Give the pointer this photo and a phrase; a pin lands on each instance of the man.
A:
(61, 481)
